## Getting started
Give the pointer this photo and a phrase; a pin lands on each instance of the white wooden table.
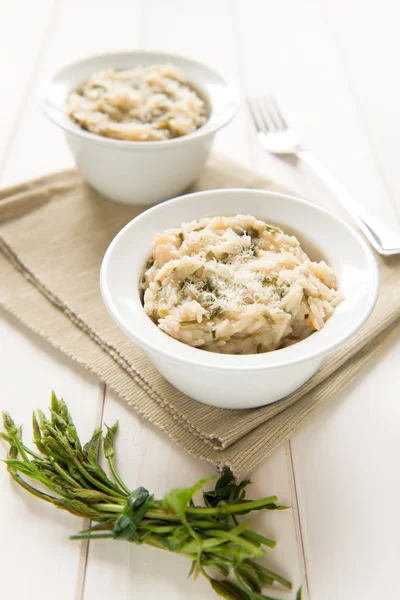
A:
(334, 68)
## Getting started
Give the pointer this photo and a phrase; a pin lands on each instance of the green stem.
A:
(156, 513)
(20, 447)
(232, 508)
(110, 508)
(63, 473)
(116, 476)
(92, 536)
(105, 488)
(30, 488)
(236, 539)
(256, 537)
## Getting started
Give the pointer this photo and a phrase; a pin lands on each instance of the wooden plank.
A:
(24, 28)
(346, 464)
(368, 43)
(36, 533)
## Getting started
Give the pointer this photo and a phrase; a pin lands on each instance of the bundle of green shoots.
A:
(220, 545)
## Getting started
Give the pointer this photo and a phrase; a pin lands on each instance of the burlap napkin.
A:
(53, 234)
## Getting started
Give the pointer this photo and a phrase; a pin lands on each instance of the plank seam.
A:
(297, 517)
(88, 522)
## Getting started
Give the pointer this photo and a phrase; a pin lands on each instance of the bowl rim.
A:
(67, 124)
(174, 349)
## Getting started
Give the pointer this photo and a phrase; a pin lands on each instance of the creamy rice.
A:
(236, 285)
(141, 104)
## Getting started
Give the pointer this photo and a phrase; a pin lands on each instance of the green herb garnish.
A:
(212, 536)
(208, 286)
(267, 279)
(216, 311)
(272, 229)
(281, 291)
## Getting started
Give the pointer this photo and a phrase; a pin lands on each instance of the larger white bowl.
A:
(139, 172)
(232, 381)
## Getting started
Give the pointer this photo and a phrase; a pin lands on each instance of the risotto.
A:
(141, 104)
(236, 285)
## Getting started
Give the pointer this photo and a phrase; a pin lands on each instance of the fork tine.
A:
(281, 123)
(267, 115)
(256, 116)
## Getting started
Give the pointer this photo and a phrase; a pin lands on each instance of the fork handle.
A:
(381, 237)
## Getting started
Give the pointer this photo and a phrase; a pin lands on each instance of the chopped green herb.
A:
(181, 236)
(216, 311)
(149, 263)
(213, 333)
(267, 279)
(162, 125)
(253, 233)
(181, 296)
(208, 286)
(154, 315)
(272, 229)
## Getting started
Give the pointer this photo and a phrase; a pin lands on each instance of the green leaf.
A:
(10, 426)
(178, 498)
(299, 593)
(109, 440)
(91, 448)
(226, 490)
(37, 435)
(53, 402)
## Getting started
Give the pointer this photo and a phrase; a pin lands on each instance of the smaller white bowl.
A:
(139, 172)
(233, 381)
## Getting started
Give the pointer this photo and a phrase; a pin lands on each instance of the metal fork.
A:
(276, 137)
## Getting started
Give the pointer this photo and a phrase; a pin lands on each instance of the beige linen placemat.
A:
(53, 234)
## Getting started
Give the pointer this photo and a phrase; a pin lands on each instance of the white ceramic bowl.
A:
(139, 172)
(233, 381)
